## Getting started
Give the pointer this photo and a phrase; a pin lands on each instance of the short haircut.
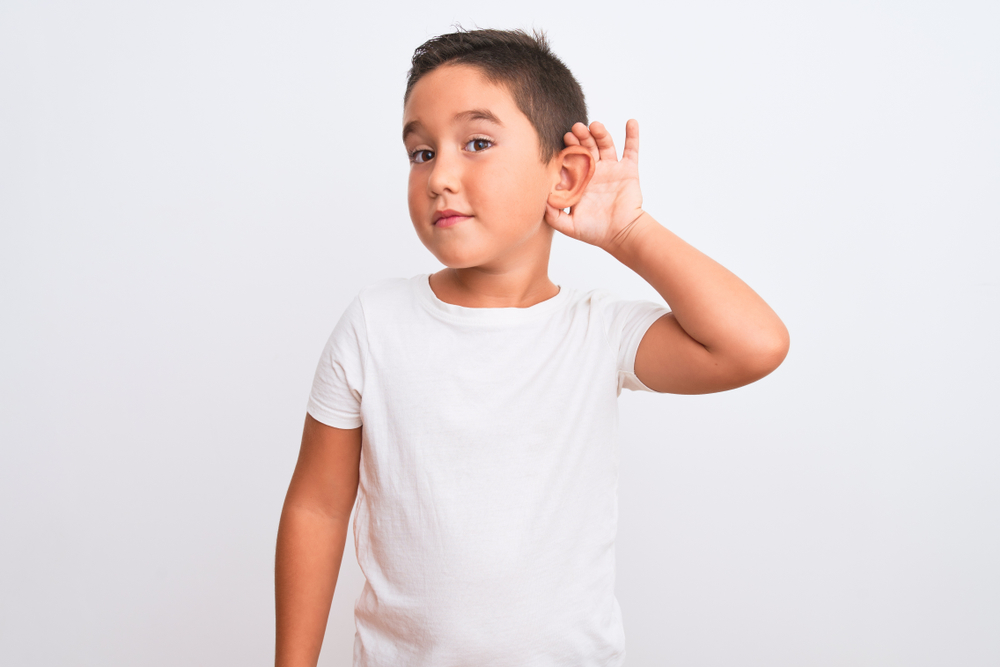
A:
(542, 86)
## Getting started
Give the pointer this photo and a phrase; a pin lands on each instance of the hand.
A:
(612, 202)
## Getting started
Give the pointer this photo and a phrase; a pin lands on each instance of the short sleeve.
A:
(625, 323)
(335, 399)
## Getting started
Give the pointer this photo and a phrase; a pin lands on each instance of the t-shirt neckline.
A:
(487, 315)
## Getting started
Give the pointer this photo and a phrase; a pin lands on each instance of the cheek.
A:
(415, 192)
(411, 185)
(505, 190)
(527, 192)
(418, 211)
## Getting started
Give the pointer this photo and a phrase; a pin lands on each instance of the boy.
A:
(473, 411)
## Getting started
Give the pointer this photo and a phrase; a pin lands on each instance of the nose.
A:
(445, 174)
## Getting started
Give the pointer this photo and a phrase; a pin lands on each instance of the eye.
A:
(421, 155)
(478, 144)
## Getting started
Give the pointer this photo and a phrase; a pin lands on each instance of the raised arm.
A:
(311, 538)
(720, 333)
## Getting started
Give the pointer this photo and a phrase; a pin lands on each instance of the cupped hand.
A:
(612, 201)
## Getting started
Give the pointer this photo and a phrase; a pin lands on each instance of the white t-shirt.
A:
(487, 505)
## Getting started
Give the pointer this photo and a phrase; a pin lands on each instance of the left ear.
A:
(576, 166)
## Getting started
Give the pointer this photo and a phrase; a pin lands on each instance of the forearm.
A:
(307, 561)
(711, 305)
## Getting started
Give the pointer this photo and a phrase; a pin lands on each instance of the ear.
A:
(575, 166)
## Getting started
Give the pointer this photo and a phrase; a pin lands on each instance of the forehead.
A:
(447, 95)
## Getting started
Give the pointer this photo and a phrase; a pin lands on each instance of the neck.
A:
(477, 288)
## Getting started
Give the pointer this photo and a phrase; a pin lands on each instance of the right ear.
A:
(576, 166)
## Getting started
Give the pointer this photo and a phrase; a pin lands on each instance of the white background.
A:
(192, 192)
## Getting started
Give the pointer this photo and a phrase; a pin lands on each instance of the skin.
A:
(490, 168)
(474, 152)
(311, 538)
(720, 334)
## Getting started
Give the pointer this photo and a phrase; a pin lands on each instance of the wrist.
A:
(630, 236)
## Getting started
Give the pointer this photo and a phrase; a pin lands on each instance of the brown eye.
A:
(421, 156)
(477, 145)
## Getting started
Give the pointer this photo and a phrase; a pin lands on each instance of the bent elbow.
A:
(760, 354)
(770, 350)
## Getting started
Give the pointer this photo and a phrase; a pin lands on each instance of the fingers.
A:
(598, 140)
(631, 151)
(584, 138)
(605, 144)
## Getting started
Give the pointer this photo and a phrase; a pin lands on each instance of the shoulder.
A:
(613, 305)
(387, 293)
(603, 303)
(575, 298)
(383, 295)
(386, 288)
(388, 302)
(600, 306)
(625, 320)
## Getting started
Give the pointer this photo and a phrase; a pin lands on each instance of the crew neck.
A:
(487, 315)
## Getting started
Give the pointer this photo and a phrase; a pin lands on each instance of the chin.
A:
(457, 262)
(455, 258)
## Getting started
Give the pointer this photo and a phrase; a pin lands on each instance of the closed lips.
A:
(448, 216)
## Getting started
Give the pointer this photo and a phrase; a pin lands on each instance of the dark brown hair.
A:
(542, 86)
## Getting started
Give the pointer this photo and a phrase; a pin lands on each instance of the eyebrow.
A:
(471, 114)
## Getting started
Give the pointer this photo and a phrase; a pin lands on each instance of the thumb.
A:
(558, 219)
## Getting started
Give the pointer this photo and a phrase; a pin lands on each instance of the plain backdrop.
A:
(192, 192)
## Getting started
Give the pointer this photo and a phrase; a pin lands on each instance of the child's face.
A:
(475, 154)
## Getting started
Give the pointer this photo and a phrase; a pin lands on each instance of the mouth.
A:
(447, 218)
